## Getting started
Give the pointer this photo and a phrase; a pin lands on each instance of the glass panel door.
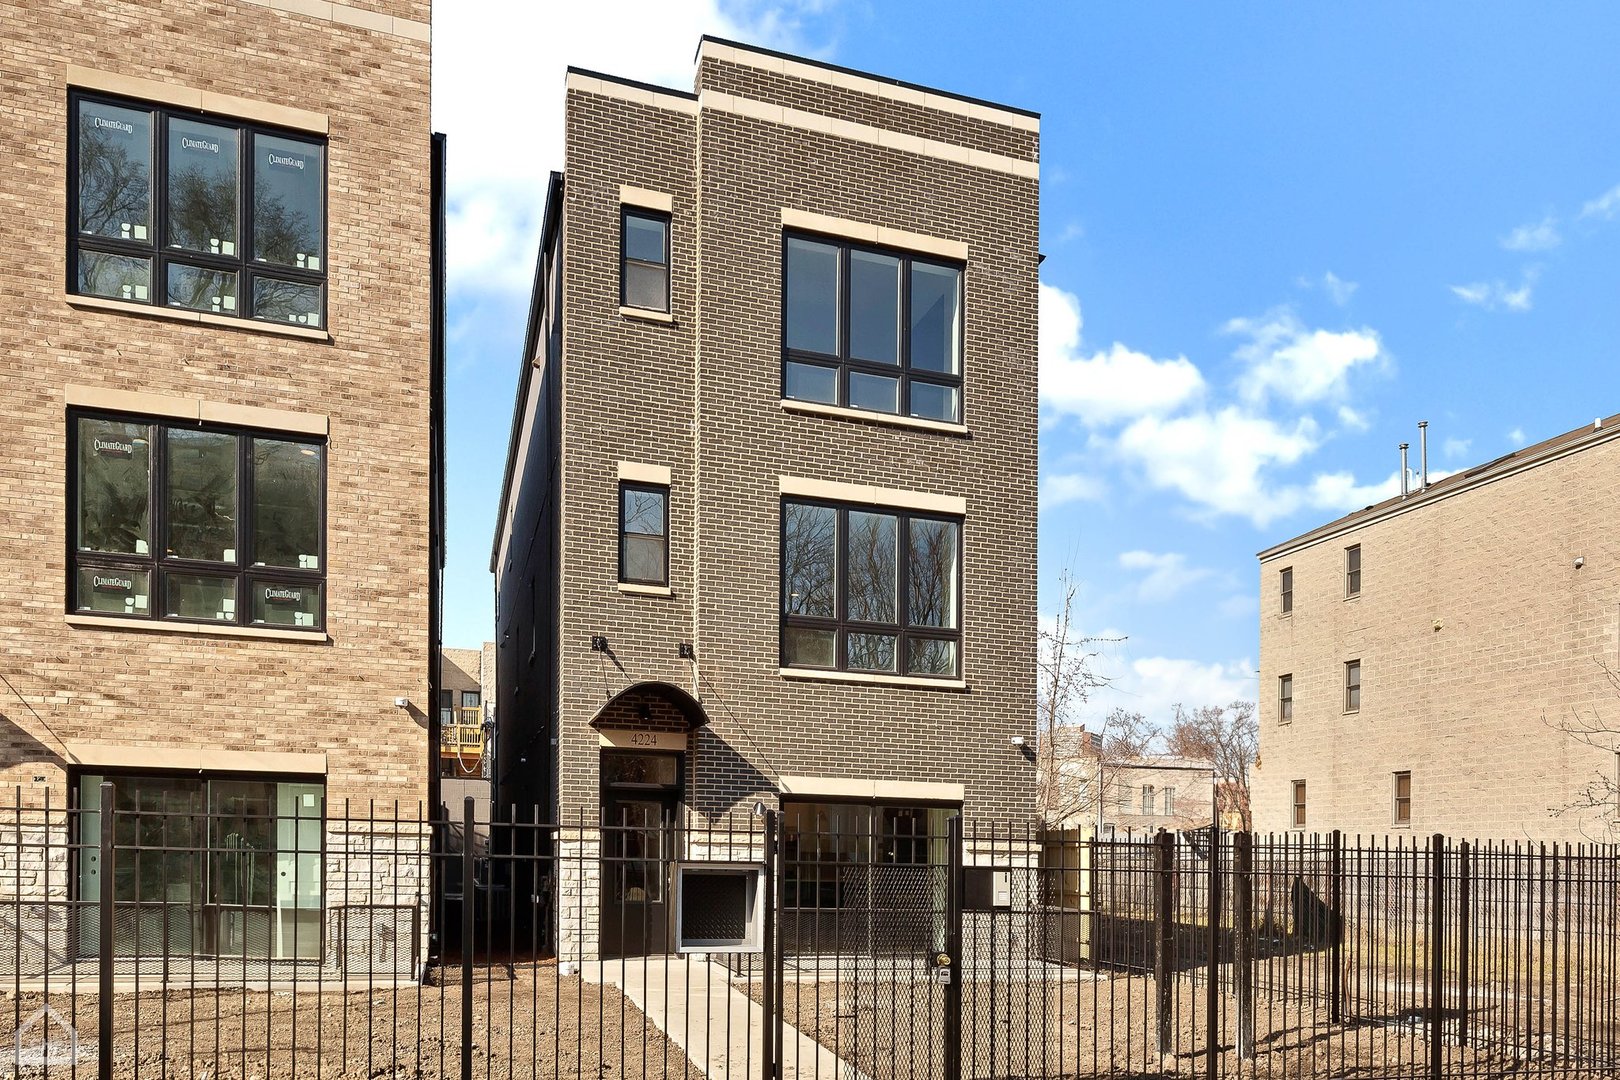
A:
(298, 870)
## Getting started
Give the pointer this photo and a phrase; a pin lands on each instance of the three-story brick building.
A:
(219, 491)
(768, 527)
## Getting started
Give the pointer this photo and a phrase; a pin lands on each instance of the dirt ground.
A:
(528, 1021)
(1108, 1026)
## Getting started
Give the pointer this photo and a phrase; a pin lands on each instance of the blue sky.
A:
(1276, 238)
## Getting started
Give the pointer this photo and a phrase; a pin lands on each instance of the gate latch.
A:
(942, 976)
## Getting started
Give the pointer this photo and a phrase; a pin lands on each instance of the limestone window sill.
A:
(816, 408)
(647, 315)
(208, 318)
(631, 589)
(112, 622)
(870, 679)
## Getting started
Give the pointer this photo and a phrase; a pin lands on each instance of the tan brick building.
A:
(1425, 660)
(769, 523)
(219, 493)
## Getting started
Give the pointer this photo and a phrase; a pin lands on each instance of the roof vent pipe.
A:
(1403, 471)
(1423, 455)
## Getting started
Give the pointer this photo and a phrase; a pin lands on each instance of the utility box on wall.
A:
(719, 907)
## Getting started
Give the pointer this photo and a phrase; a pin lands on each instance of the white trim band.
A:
(184, 408)
(866, 494)
(838, 787)
(671, 100)
(874, 234)
(348, 15)
(185, 97)
(191, 759)
(870, 678)
(866, 133)
(869, 84)
(816, 408)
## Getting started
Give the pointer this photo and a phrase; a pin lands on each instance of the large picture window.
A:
(175, 210)
(871, 329)
(197, 524)
(870, 590)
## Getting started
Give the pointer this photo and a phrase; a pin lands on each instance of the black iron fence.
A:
(823, 940)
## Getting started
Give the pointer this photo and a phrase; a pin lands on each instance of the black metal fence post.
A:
(1165, 937)
(1464, 889)
(1335, 929)
(468, 930)
(1243, 941)
(952, 1057)
(1437, 955)
(773, 973)
(1212, 982)
(104, 1002)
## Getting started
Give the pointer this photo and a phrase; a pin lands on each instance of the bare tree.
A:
(1068, 758)
(1597, 804)
(1228, 737)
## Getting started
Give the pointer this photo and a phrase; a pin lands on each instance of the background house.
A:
(1442, 661)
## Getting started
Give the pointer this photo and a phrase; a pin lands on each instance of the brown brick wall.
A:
(1476, 635)
(157, 688)
(702, 396)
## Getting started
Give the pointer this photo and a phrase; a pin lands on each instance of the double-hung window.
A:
(644, 259)
(179, 210)
(1352, 686)
(1299, 804)
(182, 522)
(1285, 699)
(1352, 570)
(643, 534)
(870, 590)
(1403, 798)
(873, 329)
(1287, 589)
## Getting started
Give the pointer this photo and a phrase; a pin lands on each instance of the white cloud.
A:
(1456, 448)
(1060, 488)
(498, 92)
(1339, 492)
(1339, 290)
(1284, 358)
(1516, 436)
(1107, 386)
(1541, 236)
(1217, 460)
(1496, 295)
(1154, 685)
(1164, 575)
(1605, 206)
(1240, 606)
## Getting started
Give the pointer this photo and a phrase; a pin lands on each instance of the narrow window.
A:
(1403, 798)
(1169, 801)
(1352, 570)
(1299, 804)
(644, 280)
(1285, 699)
(1352, 686)
(447, 715)
(1287, 578)
(1147, 799)
(644, 534)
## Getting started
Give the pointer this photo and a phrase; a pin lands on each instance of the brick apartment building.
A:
(220, 488)
(1425, 661)
(768, 526)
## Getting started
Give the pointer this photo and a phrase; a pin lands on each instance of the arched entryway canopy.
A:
(651, 704)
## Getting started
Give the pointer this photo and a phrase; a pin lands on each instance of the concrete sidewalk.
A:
(697, 1005)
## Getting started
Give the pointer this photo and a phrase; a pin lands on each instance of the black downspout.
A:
(436, 520)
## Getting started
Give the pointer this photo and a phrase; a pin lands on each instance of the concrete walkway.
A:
(702, 1010)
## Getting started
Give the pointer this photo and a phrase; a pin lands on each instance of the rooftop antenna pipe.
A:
(1403, 471)
(1423, 455)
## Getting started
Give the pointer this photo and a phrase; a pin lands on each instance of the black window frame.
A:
(159, 565)
(156, 249)
(843, 363)
(627, 211)
(656, 489)
(841, 625)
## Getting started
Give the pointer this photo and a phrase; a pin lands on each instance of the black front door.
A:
(640, 800)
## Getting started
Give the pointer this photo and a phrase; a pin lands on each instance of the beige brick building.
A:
(769, 523)
(1425, 660)
(219, 493)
